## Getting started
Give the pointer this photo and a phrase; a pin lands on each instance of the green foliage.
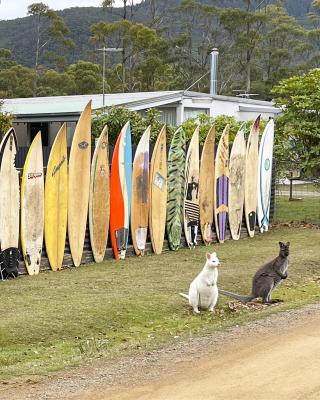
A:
(299, 125)
(205, 122)
(117, 117)
(86, 76)
(6, 120)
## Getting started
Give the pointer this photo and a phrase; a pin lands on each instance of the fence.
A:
(297, 196)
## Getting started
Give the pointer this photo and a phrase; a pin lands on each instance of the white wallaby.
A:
(203, 290)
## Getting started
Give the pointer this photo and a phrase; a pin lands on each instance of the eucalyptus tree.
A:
(49, 29)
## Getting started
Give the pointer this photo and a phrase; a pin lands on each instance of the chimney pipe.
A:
(214, 72)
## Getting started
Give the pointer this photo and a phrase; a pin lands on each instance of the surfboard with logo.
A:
(265, 176)
(191, 195)
(56, 200)
(32, 207)
(251, 178)
(99, 198)
(176, 186)
(9, 193)
(158, 192)
(140, 194)
(120, 192)
(79, 182)
(237, 167)
(221, 193)
(206, 187)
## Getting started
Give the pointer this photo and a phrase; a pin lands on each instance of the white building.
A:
(48, 113)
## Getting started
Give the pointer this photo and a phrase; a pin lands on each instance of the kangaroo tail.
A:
(244, 299)
(185, 296)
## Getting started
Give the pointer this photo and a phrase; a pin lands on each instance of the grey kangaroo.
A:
(266, 278)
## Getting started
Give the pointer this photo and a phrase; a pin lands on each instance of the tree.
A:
(282, 46)
(299, 126)
(244, 27)
(49, 28)
(16, 81)
(314, 33)
(86, 77)
(136, 39)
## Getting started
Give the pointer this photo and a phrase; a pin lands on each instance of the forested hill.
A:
(16, 34)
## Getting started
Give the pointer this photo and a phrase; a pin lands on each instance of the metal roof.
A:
(73, 105)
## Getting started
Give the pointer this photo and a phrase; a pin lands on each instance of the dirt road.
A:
(283, 367)
(277, 358)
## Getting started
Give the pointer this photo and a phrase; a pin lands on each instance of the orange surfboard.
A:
(120, 193)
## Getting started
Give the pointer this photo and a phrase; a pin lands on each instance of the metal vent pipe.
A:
(214, 72)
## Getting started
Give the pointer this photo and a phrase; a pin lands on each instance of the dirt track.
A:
(274, 358)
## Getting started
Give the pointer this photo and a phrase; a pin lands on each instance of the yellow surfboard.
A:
(206, 187)
(79, 182)
(56, 200)
(158, 192)
(32, 207)
(99, 199)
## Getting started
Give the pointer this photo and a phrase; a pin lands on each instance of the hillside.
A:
(15, 34)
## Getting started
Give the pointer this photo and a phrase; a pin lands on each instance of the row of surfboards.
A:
(164, 194)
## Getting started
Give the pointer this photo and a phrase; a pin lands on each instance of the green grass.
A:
(56, 320)
(307, 210)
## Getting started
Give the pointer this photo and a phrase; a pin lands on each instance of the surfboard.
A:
(56, 200)
(221, 178)
(191, 194)
(99, 198)
(78, 185)
(251, 177)
(158, 192)
(9, 192)
(265, 176)
(237, 166)
(206, 187)
(120, 192)
(176, 183)
(32, 207)
(140, 194)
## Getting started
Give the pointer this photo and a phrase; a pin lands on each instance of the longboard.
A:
(237, 166)
(140, 194)
(79, 182)
(9, 192)
(158, 192)
(251, 178)
(265, 176)
(191, 194)
(176, 182)
(120, 192)
(99, 198)
(56, 200)
(32, 207)
(221, 177)
(206, 187)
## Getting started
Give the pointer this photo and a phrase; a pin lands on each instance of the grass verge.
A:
(57, 320)
(307, 210)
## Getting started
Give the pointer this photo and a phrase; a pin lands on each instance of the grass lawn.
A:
(307, 210)
(60, 319)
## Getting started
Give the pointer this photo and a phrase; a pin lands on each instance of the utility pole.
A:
(105, 50)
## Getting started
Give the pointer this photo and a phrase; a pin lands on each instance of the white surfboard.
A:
(9, 192)
(265, 176)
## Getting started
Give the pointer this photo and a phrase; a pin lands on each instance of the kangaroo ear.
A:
(208, 255)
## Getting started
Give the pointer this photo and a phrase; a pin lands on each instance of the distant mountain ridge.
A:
(15, 34)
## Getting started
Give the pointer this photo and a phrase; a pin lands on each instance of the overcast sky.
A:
(10, 9)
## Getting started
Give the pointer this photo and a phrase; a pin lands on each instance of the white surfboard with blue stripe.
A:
(265, 176)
